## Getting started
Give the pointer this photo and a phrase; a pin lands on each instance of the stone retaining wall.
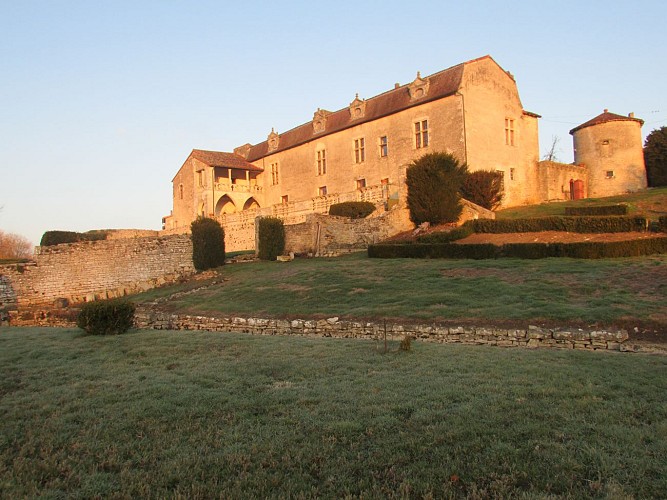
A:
(615, 340)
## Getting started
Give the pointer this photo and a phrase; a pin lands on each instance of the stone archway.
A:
(251, 204)
(225, 205)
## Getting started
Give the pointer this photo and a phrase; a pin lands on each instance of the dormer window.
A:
(273, 140)
(320, 121)
(357, 108)
(419, 87)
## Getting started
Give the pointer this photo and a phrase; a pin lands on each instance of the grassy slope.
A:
(652, 203)
(631, 292)
(200, 414)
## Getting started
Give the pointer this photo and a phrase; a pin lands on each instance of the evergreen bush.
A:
(106, 317)
(271, 238)
(599, 210)
(484, 188)
(50, 238)
(208, 243)
(434, 182)
(352, 209)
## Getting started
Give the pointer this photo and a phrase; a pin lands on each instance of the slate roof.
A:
(441, 84)
(220, 159)
(605, 117)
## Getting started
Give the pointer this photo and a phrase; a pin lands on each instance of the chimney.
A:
(606, 110)
(396, 85)
(631, 115)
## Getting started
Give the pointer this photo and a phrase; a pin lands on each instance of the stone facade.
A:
(471, 110)
(80, 272)
(610, 148)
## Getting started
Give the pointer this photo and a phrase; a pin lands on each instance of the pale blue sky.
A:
(102, 101)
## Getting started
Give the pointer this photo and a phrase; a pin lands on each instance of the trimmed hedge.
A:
(662, 223)
(352, 209)
(579, 250)
(271, 239)
(50, 238)
(208, 243)
(599, 210)
(447, 236)
(106, 317)
(611, 224)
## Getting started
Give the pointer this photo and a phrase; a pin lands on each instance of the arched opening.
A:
(250, 204)
(225, 205)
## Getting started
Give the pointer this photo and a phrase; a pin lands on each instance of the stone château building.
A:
(360, 152)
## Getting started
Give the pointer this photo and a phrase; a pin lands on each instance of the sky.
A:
(102, 101)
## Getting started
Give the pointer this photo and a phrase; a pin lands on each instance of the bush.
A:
(50, 238)
(579, 250)
(434, 182)
(208, 243)
(271, 238)
(484, 188)
(352, 209)
(600, 210)
(662, 223)
(611, 224)
(448, 236)
(106, 317)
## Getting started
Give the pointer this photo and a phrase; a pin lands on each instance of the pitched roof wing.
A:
(221, 159)
(441, 84)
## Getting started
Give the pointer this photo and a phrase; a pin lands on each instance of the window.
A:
(511, 174)
(359, 153)
(322, 191)
(502, 180)
(361, 183)
(321, 162)
(274, 174)
(180, 191)
(200, 178)
(384, 146)
(284, 199)
(385, 187)
(609, 174)
(509, 131)
(421, 134)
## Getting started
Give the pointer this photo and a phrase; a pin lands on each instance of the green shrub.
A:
(352, 209)
(271, 238)
(578, 250)
(208, 243)
(106, 317)
(662, 223)
(50, 238)
(484, 188)
(610, 224)
(434, 182)
(599, 210)
(448, 236)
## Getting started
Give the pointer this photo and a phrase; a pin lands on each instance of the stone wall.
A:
(84, 271)
(533, 336)
(555, 179)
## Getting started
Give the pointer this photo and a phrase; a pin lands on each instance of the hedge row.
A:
(662, 223)
(447, 236)
(50, 238)
(610, 224)
(600, 210)
(579, 250)
(352, 209)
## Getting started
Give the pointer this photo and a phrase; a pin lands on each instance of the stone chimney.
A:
(631, 115)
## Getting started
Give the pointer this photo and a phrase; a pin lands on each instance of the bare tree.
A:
(551, 154)
(14, 246)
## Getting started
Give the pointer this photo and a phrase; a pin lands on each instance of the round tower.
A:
(610, 147)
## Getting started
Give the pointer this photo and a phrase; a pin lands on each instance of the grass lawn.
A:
(651, 203)
(202, 415)
(627, 292)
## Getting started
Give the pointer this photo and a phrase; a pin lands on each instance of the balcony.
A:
(241, 187)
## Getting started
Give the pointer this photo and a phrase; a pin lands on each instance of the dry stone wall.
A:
(84, 271)
(533, 336)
